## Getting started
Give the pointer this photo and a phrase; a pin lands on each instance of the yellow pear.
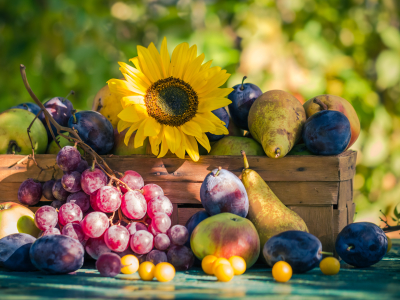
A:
(276, 120)
(268, 214)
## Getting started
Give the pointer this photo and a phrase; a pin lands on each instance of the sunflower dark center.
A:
(171, 101)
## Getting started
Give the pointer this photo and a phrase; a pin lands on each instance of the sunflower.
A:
(170, 100)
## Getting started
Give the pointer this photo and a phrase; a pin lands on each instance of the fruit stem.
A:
(277, 152)
(219, 169)
(93, 166)
(349, 248)
(70, 93)
(321, 104)
(242, 87)
(73, 114)
(246, 162)
(325, 253)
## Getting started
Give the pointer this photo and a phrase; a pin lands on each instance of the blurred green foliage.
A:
(309, 47)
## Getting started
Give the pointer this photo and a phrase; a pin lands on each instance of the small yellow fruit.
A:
(238, 264)
(146, 271)
(224, 272)
(389, 244)
(207, 264)
(130, 264)
(329, 266)
(282, 271)
(218, 262)
(164, 272)
(108, 105)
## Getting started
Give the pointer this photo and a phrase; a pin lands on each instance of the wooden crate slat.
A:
(174, 216)
(345, 193)
(290, 193)
(290, 168)
(319, 220)
(184, 213)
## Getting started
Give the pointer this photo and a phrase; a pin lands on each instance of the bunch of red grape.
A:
(85, 201)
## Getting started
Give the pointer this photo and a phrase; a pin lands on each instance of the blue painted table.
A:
(381, 281)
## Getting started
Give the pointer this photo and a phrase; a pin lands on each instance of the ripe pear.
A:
(268, 214)
(276, 119)
(108, 105)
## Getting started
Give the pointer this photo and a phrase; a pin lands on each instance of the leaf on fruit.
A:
(396, 213)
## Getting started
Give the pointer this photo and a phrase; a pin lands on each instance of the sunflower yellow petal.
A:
(135, 74)
(206, 66)
(157, 59)
(140, 135)
(173, 137)
(165, 58)
(180, 151)
(211, 117)
(193, 68)
(152, 127)
(204, 141)
(130, 100)
(203, 77)
(212, 104)
(221, 92)
(153, 65)
(122, 125)
(146, 64)
(130, 132)
(192, 147)
(178, 59)
(136, 62)
(206, 125)
(133, 113)
(191, 55)
(192, 128)
(164, 148)
(214, 82)
(220, 130)
(155, 141)
(122, 88)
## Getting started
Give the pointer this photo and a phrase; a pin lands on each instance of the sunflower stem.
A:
(242, 87)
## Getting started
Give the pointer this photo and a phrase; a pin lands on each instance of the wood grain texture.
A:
(289, 168)
(174, 216)
(339, 221)
(345, 193)
(184, 213)
(319, 220)
(351, 210)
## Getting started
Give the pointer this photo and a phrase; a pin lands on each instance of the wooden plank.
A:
(174, 216)
(184, 213)
(345, 193)
(290, 168)
(339, 221)
(290, 192)
(351, 210)
(319, 220)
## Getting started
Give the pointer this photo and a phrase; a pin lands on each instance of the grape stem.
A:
(388, 228)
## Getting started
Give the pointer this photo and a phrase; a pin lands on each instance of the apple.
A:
(121, 149)
(15, 218)
(225, 235)
(337, 103)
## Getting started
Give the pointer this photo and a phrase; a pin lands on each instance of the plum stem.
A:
(73, 115)
(277, 152)
(321, 104)
(70, 93)
(325, 253)
(217, 173)
(242, 87)
(246, 162)
(350, 247)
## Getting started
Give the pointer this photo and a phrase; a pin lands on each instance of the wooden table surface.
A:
(381, 281)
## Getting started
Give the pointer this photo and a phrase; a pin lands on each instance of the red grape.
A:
(162, 241)
(181, 257)
(95, 224)
(151, 229)
(46, 217)
(50, 231)
(108, 199)
(30, 192)
(117, 238)
(82, 166)
(133, 205)
(141, 242)
(109, 264)
(57, 203)
(47, 189)
(156, 257)
(151, 191)
(69, 213)
(135, 226)
(133, 180)
(68, 158)
(96, 247)
(147, 220)
(178, 234)
(159, 204)
(81, 199)
(59, 192)
(91, 181)
(161, 222)
(71, 182)
(92, 200)
(74, 231)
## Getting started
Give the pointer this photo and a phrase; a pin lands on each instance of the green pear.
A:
(276, 120)
(54, 149)
(232, 145)
(268, 214)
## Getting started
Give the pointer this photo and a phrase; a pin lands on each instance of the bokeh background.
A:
(307, 47)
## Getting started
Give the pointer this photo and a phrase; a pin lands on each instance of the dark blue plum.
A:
(14, 252)
(327, 133)
(61, 110)
(32, 107)
(193, 222)
(57, 254)
(301, 250)
(222, 191)
(94, 129)
(222, 114)
(242, 97)
(361, 244)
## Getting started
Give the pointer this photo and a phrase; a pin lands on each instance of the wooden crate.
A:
(318, 188)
